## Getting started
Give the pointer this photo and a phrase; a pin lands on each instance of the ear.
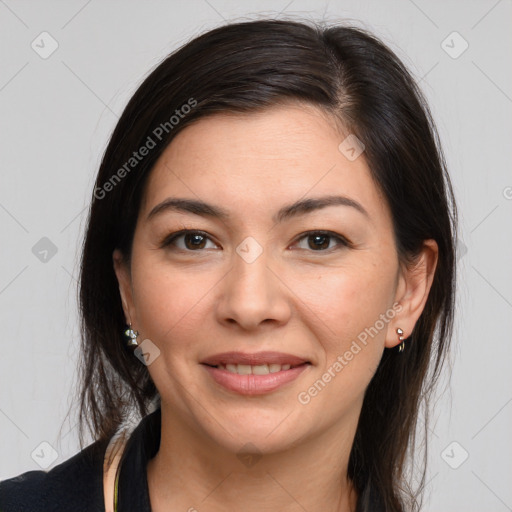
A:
(124, 280)
(413, 287)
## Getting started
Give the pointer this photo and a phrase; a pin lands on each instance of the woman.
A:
(267, 279)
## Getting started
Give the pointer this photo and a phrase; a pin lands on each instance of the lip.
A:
(254, 384)
(254, 359)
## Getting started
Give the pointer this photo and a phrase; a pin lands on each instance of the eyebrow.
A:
(295, 209)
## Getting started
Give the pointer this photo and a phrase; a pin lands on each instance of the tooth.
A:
(247, 369)
(261, 369)
(244, 369)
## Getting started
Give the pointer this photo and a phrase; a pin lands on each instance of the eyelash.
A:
(342, 241)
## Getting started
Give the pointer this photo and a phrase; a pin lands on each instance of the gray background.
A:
(57, 113)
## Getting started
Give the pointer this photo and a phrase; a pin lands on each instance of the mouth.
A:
(254, 374)
(259, 369)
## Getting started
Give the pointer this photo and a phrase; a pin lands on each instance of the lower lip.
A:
(254, 384)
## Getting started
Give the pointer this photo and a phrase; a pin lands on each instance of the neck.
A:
(197, 474)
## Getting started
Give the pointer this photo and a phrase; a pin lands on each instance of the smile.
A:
(260, 369)
(254, 380)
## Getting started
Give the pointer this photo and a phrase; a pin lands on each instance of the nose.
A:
(252, 293)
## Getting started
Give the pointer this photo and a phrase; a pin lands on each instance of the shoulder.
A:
(75, 484)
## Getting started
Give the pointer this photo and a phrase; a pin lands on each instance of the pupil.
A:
(320, 237)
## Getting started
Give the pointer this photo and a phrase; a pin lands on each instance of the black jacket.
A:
(76, 485)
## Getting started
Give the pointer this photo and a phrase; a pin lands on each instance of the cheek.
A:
(347, 305)
(350, 313)
(346, 299)
(170, 303)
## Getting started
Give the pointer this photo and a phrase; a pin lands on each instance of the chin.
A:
(267, 432)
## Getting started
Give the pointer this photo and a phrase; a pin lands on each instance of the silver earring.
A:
(401, 347)
(132, 337)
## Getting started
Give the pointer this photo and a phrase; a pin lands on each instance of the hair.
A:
(247, 67)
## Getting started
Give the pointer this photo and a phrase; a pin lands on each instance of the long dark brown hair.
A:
(244, 67)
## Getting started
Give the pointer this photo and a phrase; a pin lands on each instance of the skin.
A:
(193, 303)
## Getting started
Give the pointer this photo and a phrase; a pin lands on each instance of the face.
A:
(254, 280)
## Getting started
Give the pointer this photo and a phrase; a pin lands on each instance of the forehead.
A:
(257, 161)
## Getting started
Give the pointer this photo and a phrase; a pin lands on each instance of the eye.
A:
(192, 240)
(320, 241)
(196, 240)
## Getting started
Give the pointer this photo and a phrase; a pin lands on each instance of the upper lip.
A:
(255, 359)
